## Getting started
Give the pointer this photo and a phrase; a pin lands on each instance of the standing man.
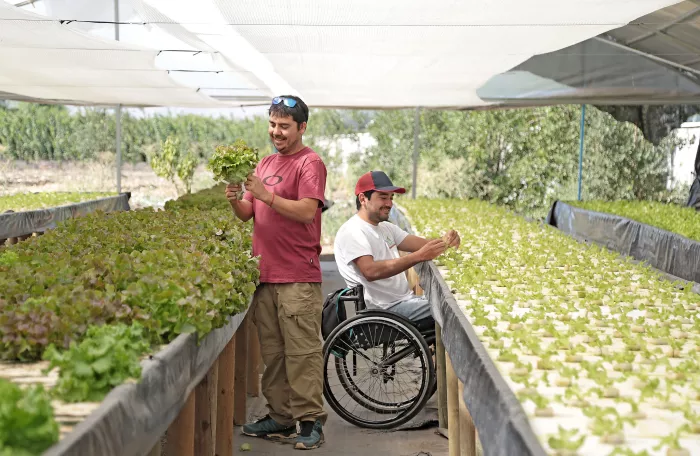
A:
(284, 197)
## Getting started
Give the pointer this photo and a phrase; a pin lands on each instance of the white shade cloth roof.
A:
(221, 53)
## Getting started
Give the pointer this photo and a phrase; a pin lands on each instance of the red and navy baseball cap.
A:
(376, 180)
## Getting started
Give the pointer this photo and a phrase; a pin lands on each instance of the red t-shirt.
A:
(289, 251)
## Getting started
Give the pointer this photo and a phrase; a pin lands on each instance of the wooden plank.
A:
(205, 413)
(240, 375)
(467, 432)
(224, 409)
(181, 431)
(157, 449)
(253, 381)
(414, 282)
(441, 378)
(452, 408)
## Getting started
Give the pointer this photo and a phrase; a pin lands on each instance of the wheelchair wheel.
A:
(378, 371)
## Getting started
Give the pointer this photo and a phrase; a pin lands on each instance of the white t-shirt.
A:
(358, 238)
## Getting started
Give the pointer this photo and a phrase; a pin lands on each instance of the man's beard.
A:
(379, 216)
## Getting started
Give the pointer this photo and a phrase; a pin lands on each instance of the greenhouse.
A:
(126, 317)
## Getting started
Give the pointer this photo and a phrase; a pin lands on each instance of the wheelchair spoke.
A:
(377, 371)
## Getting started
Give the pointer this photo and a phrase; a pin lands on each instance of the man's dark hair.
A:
(368, 195)
(300, 112)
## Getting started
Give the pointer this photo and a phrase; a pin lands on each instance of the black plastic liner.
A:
(15, 224)
(133, 417)
(666, 251)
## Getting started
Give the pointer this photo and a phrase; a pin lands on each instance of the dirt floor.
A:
(146, 188)
(342, 438)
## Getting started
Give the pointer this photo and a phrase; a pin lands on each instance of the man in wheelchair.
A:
(367, 250)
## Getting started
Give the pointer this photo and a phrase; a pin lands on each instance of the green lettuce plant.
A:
(233, 163)
(27, 424)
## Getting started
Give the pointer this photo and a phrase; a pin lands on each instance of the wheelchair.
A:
(378, 366)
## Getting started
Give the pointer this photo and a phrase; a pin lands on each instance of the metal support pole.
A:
(580, 149)
(416, 130)
(119, 148)
(119, 108)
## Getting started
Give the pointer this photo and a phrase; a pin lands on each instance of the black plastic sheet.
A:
(15, 224)
(133, 417)
(666, 251)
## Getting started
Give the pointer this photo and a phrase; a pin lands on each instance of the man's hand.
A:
(452, 239)
(432, 250)
(256, 188)
(232, 192)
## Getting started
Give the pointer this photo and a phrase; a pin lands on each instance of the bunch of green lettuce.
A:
(233, 163)
(105, 358)
(27, 424)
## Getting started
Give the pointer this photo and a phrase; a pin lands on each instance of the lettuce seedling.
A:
(566, 440)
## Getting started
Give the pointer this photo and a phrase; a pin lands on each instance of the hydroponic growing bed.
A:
(139, 301)
(32, 201)
(602, 353)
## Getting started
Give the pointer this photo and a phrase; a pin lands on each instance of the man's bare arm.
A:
(412, 243)
(242, 208)
(303, 211)
(377, 270)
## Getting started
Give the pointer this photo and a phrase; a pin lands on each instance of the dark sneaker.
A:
(310, 437)
(268, 428)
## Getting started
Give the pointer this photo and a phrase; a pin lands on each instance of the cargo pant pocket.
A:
(300, 317)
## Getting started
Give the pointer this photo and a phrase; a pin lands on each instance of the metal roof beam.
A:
(678, 42)
(649, 56)
(691, 62)
(31, 2)
(683, 17)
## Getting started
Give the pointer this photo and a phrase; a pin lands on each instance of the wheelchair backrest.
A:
(334, 311)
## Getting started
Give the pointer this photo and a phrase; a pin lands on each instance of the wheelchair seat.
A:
(426, 326)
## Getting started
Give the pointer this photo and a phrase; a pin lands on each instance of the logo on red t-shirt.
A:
(272, 180)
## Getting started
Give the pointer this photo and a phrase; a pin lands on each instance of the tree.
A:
(170, 162)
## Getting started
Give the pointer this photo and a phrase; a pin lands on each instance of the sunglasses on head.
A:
(289, 102)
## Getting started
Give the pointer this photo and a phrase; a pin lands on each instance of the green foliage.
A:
(31, 201)
(541, 293)
(106, 357)
(27, 425)
(677, 219)
(232, 164)
(521, 158)
(170, 163)
(211, 198)
(41, 132)
(8, 259)
(174, 271)
(619, 451)
(567, 439)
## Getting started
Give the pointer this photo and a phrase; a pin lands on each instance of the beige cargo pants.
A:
(288, 319)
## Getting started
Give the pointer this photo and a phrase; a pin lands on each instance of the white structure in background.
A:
(347, 147)
(684, 157)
